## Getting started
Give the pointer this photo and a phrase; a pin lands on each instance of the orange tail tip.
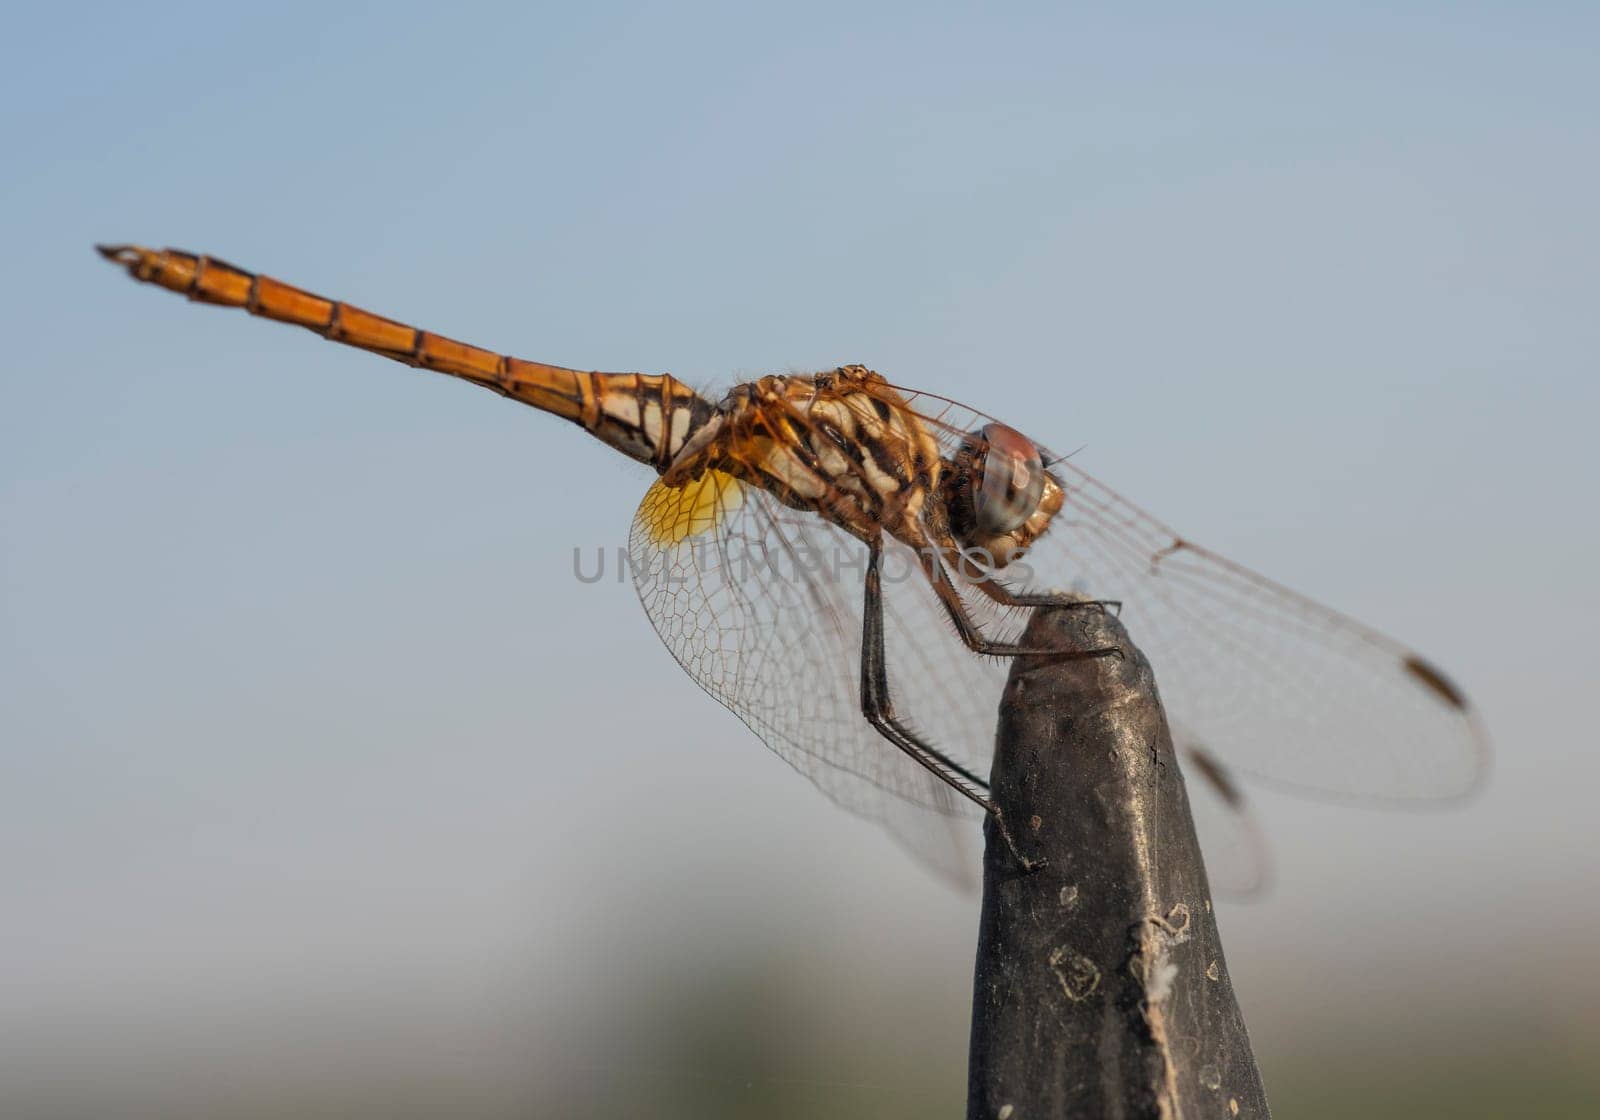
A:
(170, 268)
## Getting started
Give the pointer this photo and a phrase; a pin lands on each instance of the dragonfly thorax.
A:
(833, 443)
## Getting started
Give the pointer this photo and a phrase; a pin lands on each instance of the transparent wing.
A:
(1277, 685)
(762, 606)
(1238, 864)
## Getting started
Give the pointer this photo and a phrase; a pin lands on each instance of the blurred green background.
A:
(326, 790)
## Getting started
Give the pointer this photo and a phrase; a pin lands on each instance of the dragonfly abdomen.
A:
(647, 417)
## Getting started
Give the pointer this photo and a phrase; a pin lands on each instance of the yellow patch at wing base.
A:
(670, 514)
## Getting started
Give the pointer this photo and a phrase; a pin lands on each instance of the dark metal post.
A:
(1101, 989)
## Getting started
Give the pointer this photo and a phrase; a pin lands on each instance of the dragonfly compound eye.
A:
(1007, 479)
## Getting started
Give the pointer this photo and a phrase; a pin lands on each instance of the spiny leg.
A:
(973, 636)
(977, 566)
(1006, 597)
(878, 706)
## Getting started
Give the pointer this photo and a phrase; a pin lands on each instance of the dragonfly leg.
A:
(878, 707)
(1006, 597)
(974, 637)
(1003, 595)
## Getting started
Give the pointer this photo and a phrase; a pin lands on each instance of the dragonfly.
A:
(847, 565)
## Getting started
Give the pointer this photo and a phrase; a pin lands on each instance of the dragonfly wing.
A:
(1238, 864)
(762, 605)
(1281, 687)
(1284, 689)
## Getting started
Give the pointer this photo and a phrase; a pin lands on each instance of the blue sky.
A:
(1315, 283)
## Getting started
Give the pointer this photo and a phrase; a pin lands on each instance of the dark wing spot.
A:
(1211, 770)
(1433, 679)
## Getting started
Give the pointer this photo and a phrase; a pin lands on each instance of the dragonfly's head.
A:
(998, 494)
